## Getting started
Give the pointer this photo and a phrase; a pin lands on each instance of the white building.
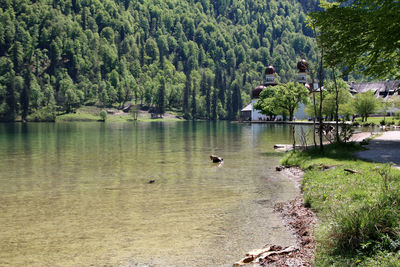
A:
(250, 113)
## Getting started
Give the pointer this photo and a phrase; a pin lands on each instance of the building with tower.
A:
(249, 113)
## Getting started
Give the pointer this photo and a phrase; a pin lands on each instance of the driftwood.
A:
(321, 167)
(352, 171)
(216, 159)
(259, 255)
(127, 108)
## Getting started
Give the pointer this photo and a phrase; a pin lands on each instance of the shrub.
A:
(44, 114)
(346, 132)
(382, 122)
(103, 115)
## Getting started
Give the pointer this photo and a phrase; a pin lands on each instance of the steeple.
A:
(302, 66)
(269, 75)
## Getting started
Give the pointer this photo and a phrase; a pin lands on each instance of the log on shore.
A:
(259, 255)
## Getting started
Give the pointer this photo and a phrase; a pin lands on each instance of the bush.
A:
(382, 122)
(103, 115)
(45, 114)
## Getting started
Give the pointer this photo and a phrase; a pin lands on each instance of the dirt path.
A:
(384, 149)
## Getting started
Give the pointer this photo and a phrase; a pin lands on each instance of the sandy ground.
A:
(384, 149)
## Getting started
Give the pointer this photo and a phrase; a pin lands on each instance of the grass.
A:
(77, 117)
(92, 113)
(359, 213)
(377, 120)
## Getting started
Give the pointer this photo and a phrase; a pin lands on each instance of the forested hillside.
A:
(199, 56)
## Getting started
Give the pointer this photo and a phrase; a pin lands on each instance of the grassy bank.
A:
(378, 120)
(359, 212)
(92, 113)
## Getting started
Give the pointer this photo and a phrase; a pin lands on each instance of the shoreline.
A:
(300, 223)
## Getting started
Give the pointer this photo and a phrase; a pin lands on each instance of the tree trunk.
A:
(336, 106)
(315, 108)
(320, 104)
(290, 115)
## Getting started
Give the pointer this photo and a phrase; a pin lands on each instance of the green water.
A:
(77, 194)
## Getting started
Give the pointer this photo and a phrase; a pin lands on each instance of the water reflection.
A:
(78, 193)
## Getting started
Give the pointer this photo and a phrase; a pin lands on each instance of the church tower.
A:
(302, 66)
(269, 80)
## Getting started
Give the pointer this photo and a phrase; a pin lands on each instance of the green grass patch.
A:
(359, 212)
(91, 113)
(377, 120)
(77, 117)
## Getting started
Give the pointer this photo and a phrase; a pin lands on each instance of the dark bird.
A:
(216, 159)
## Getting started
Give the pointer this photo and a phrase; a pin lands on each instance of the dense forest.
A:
(200, 57)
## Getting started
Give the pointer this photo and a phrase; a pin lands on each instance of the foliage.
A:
(329, 101)
(365, 103)
(103, 115)
(346, 132)
(44, 114)
(377, 120)
(109, 52)
(359, 213)
(361, 35)
(282, 98)
(134, 111)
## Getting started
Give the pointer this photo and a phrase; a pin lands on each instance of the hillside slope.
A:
(200, 56)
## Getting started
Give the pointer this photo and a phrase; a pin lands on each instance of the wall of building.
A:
(256, 114)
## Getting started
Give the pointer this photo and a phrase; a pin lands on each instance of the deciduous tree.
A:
(282, 98)
(365, 104)
(361, 35)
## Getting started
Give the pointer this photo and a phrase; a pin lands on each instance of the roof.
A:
(378, 88)
(247, 108)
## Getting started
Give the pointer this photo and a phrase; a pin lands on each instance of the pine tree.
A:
(214, 103)
(194, 107)
(186, 94)
(161, 97)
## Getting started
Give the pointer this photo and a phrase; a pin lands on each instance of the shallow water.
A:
(77, 194)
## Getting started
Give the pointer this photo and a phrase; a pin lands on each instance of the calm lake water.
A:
(77, 194)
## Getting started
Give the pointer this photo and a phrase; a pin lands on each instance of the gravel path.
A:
(384, 149)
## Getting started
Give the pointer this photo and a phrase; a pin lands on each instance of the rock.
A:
(127, 108)
(216, 159)
(279, 168)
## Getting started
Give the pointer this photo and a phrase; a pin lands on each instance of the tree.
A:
(365, 104)
(329, 102)
(114, 51)
(186, 94)
(214, 103)
(282, 98)
(160, 101)
(236, 98)
(103, 115)
(361, 35)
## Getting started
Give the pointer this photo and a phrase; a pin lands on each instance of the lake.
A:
(78, 194)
